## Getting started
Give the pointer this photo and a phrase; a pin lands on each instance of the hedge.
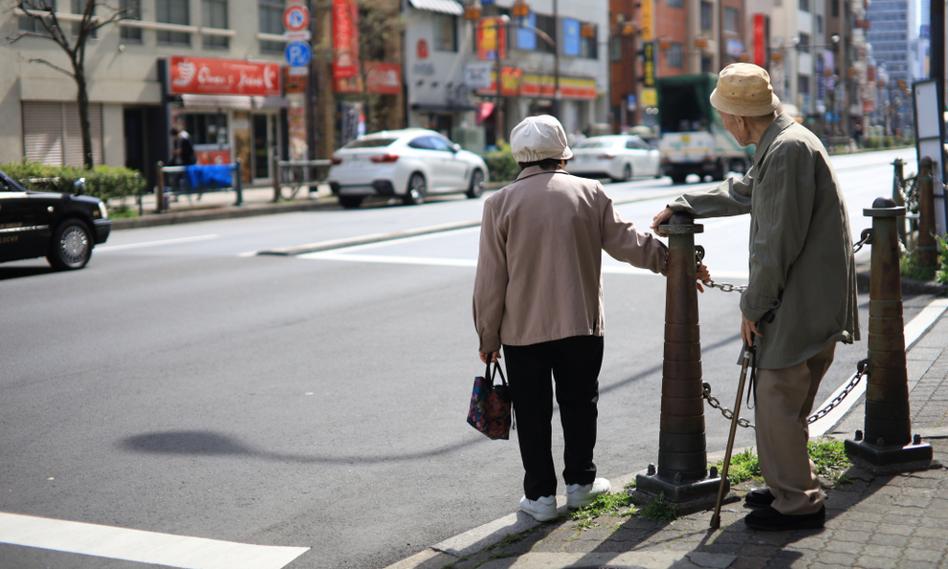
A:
(104, 182)
(501, 164)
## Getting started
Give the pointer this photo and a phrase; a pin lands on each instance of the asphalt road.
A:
(182, 384)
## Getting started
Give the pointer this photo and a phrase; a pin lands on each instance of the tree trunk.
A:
(82, 101)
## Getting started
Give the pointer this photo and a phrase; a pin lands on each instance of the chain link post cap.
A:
(680, 223)
(884, 207)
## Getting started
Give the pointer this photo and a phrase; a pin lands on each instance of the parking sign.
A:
(298, 54)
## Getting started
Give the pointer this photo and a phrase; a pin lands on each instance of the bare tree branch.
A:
(50, 64)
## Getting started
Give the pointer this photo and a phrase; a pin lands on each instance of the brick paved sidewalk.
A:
(873, 522)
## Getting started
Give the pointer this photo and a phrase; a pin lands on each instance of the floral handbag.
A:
(490, 411)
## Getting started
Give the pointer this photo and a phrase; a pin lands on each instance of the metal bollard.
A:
(887, 444)
(927, 251)
(682, 475)
(160, 189)
(275, 169)
(898, 195)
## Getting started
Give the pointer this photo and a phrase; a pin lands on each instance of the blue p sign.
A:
(298, 54)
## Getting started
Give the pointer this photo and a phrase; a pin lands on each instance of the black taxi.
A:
(61, 227)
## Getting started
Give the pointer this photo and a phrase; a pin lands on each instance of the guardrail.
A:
(298, 173)
(181, 185)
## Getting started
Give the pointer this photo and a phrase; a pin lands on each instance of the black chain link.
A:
(862, 369)
(865, 238)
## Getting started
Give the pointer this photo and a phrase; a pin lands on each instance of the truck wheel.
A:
(679, 177)
(738, 166)
(350, 202)
(720, 172)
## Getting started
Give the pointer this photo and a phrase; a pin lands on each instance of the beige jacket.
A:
(538, 270)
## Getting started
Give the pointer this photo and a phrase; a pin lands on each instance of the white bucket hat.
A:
(538, 138)
(744, 89)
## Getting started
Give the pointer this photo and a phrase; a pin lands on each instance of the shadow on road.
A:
(7, 273)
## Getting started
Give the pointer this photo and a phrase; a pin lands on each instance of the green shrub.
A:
(502, 166)
(103, 182)
(909, 267)
(942, 274)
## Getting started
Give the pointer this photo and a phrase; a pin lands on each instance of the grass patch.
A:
(829, 456)
(610, 503)
(659, 510)
(122, 212)
(744, 466)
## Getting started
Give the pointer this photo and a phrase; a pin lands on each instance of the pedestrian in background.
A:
(801, 273)
(538, 293)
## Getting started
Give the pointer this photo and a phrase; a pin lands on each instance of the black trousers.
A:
(574, 364)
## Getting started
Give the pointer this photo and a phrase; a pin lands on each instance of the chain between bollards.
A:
(861, 369)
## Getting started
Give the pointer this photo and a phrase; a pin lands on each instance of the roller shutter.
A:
(51, 133)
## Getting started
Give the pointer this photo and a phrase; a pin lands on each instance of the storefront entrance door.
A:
(264, 139)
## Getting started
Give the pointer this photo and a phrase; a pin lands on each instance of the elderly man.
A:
(801, 295)
(538, 293)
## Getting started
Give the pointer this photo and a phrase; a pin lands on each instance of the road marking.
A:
(144, 244)
(141, 546)
(913, 331)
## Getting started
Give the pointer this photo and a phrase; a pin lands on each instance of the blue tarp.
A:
(210, 176)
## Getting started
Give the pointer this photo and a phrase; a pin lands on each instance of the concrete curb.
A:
(224, 212)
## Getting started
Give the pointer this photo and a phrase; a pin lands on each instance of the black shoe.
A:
(759, 498)
(769, 519)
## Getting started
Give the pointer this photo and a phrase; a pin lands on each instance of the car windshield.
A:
(598, 143)
(370, 143)
(7, 186)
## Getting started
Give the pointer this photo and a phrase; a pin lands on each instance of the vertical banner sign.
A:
(345, 39)
(571, 37)
(646, 19)
(760, 41)
(526, 36)
(648, 64)
(491, 39)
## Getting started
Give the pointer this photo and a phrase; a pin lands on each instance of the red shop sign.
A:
(383, 78)
(345, 39)
(204, 76)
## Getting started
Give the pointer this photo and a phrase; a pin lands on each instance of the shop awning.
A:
(440, 6)
(241, 102)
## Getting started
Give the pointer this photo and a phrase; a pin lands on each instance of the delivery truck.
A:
(693, 139)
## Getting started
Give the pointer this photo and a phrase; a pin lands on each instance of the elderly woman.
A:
(538, 293)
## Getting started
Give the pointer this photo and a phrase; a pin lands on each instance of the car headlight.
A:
(103, 211)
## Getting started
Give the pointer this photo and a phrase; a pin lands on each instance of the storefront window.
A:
(207, 128)
(445, 32)
(28, 24)
(173, 12)
(215, 16)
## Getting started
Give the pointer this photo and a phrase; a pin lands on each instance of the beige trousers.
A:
(784, 401)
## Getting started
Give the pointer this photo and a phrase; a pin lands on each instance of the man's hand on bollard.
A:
(703, 276)
(494, 356)
(661, 217)
(749, 330)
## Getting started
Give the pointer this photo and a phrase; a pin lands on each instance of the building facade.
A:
(892, 35)
(453, 65)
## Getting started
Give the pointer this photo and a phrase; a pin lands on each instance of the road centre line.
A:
(144, 244)
(141, 546)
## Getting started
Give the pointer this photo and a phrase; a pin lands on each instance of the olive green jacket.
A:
(801, 254)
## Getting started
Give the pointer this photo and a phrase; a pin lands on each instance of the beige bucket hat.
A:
(744, 89)
(538, 138)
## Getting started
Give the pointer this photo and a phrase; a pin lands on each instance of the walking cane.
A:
(745, 362)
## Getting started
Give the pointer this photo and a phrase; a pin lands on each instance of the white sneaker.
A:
(543, 509)
(578, 495)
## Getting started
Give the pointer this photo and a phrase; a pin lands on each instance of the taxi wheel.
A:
(416, 191)
(71, 247)
(477, 185)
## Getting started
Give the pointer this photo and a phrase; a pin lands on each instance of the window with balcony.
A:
(270, 17)
(173, 12)
(707, 16)
(675, 55)
(214, 15)
(132, 10)
(731, 20)
(28, 24)
(804, 5)
(804, 44)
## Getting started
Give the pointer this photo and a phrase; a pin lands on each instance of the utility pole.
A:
(320, 115)
(556, 59)
(937, 23)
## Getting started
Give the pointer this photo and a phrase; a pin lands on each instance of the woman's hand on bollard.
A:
(702, 276)
(749, 330)
(494, 356)
(661, 217)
